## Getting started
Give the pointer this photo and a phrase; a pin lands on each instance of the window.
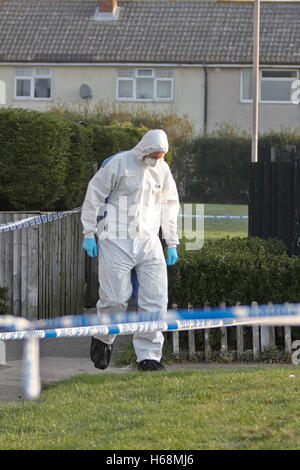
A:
(33, 83)
(144, 84)
(275, 86)
(2, 92)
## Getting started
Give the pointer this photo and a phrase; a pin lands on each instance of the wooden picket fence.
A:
(43, 266)
(263, 339)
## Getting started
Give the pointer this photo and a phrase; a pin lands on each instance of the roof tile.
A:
(147, 31)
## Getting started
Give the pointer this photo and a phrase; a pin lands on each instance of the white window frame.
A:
(32, 78)
(155, 79)
(276, 79)
(243, 100)
(261, 78)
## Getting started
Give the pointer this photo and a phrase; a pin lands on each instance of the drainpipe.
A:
(205, 102)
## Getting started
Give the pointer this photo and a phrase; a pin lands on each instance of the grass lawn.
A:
(254, 408)
(222, 228)
(219, 228)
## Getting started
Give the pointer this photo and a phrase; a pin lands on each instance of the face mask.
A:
(150, 162)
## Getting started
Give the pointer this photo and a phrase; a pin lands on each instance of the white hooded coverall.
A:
(135, 200)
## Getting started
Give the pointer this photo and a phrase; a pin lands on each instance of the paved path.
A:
(60, 358)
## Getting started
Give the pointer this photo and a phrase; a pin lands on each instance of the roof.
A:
(175, 32)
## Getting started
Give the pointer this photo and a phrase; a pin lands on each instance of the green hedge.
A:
(33, 159)
(78, 168)
(46, 160)
(108, 140)
(215, 168)
(232, 271)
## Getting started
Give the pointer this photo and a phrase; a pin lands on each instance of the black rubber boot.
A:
(150, 364)
(100, 353)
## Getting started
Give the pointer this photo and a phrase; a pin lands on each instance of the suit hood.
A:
(153, 141)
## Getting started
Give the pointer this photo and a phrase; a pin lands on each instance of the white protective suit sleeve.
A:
(170, 211)
(99, 189)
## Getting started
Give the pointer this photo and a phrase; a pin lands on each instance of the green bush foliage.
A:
(214, 168)
(3, 300)
(78, 169)
(108, 140)
(33, 159)
(234, 271)
(106, 113)
(46, 161)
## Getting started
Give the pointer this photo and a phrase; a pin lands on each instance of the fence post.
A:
(288, 339)
(175, 337)
(191, 340)
(267, 337)
(2, 353)
(207, 346)
(239, 341)
(255, 341)
(224, 345)
(192, 348)
(255, 337)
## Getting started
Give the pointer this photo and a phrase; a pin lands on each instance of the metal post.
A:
(255, 79)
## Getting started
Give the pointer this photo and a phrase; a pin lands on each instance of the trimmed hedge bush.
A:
(33, 159)
(78, 169)
(46, 160)
(215, 168)
(108, 140)
(232, 271)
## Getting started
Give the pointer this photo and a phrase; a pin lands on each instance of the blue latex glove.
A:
(90, 245)
(172, 256)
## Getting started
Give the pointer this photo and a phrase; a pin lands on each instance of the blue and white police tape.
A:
(36, 220)
(149, 326)
(175, 320)
(214, 216)
(237, 312)
(119, 323)
(52, 216)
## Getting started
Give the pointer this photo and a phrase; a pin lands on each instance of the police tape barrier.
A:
(147, 326)
(235, 312)
(36, 220)
(215, 216)
(179, 320)
(52, 216)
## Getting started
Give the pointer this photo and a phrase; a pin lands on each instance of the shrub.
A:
(78, 169)
(214, 168)
(233, 271)
(138, 115)
(46, 160)
(108, 140)
(33, 159)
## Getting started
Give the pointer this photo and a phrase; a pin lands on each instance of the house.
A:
(194, 57)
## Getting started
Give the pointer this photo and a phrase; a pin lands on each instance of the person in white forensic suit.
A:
(134, 195)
